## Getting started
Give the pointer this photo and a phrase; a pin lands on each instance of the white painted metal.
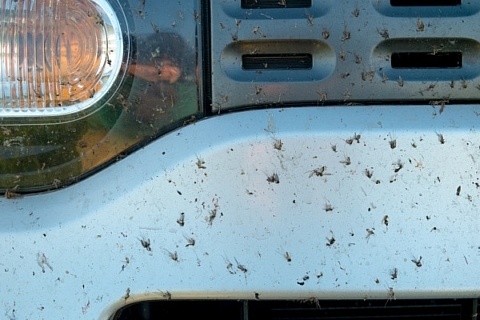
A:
(115, 238)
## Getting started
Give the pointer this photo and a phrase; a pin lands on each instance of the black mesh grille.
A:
(309, 309)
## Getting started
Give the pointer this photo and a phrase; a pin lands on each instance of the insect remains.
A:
(325, 34)
(273, 178)
(287, 256)
(346, 34)
(394, 274)
(200, 163)
(385, 220)
(278, 144)
(213, 213)
(241, 267)
(420, 25)
(190, 241)
(370, 232)
(146, 243)
(390, 295)
(368, 173)
(319, 172)
(181, 219)
(356, 137)
(459, 189)
(384, 33)
(330, 241)
(393, 143)
(43, 262)
(347, 161)
(173, 255)
(418, 262)
(127, 294)
(398, 166)
(328, 207)
(441, 139)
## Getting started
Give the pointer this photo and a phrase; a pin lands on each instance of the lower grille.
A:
(307, 309)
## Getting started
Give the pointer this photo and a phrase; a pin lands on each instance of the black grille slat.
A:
(302, 310)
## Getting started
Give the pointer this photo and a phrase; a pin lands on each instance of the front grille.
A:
(359, 52)
(306, 309)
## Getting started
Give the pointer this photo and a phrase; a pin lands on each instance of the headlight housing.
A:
(82, 82)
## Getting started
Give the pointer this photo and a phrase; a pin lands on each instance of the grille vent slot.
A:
(424, 3)
(280, 61)
(308, 309)
(426, 60)
(269, 4)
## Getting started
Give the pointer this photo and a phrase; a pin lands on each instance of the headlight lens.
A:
(57, 58)
(82, 82)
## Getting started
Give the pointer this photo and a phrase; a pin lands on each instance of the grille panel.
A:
(355, 53)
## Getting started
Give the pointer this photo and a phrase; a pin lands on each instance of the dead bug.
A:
(356, 137)
(398, 166)
(11, 195)
(190, 241)
(277, 144)
(330, 241)
(400, 81)
(127, 294)
(319, 172)
(166, 295)
(43, 261)
(181, 219)
(393, 143)
(459, 189)
(200, 163)
(346, 34)
(323, 97)
(325, 34)
(190, 120)
(309, 18)
(418, 262)
(347, 161)
(273, 178)
(125, 263)
(173, 255)
(394, 274)
(146, 243)
(390, 295)
(441, 139)
(368, 173)
(420, 25)
(343, 54)
(287, 256)
(385, 220)
(370, 232)
(211, 216)
(383, 33)
(328, 207)
(334, 147)
(358, 59)
(241, 267)
(356, 12)
(230, 267)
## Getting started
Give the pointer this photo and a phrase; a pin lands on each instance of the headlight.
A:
(84, 81)
(57, 58)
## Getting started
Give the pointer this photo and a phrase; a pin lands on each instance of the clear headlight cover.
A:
(57, 58)
(82, 82)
